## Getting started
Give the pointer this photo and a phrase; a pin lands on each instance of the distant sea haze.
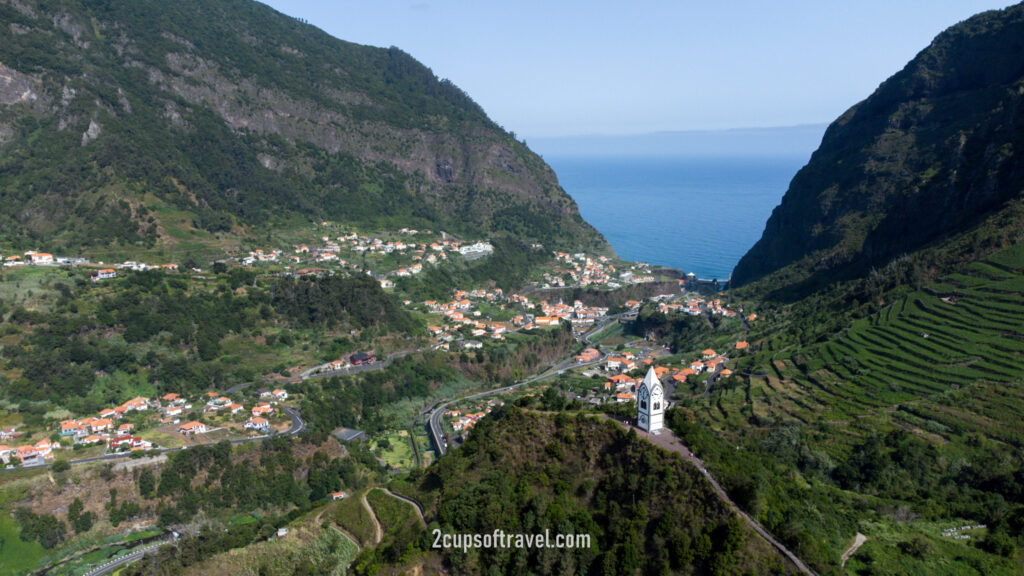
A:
(700, 215)
(696, 201)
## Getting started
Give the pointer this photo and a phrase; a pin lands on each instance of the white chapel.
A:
(650, 405)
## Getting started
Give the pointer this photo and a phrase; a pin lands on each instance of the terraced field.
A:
(960, 340)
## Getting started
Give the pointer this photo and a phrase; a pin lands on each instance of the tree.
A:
(147, 483)
(81, 521)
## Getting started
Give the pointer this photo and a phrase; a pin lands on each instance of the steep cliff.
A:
(935, 150)
(116, 114)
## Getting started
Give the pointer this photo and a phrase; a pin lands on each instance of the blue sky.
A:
(559, 68)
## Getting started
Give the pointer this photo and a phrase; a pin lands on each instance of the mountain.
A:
(932, 153)
(147, 123)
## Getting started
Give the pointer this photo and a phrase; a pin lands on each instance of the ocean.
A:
(697, 214)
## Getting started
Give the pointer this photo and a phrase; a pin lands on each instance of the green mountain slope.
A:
(935, 150)
(122, 121)
(646, 510)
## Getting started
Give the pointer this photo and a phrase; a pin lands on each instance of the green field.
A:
(19, 557)
(392, 513)
(399, 452)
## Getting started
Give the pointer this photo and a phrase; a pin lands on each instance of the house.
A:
(682, 375)
(620, 364)
(105, 274)
(235, 408)
(109, 413)
(280, 394)
(29, 456)
(41, 258)
(192, 428)
(91, 439)
(69, 427)
(137, 403)
(5, 453)
(619, 382)
(339, 495)
(101, 425)
(588, 355)
(258, 424)
(709, 354)
(659, 371)
(173, 411)
(725, 373)
(262, 410)
(547, 320)
(45, 447)
(741, 345)
(625, 397)
(697, 366)
(125, 428)
(173, 399)
(338, 365)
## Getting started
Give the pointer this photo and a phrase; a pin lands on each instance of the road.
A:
(415, 505)
(667, 440)
(109, 567)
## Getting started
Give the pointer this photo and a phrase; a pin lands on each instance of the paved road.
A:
(437, 435)
(109, 567)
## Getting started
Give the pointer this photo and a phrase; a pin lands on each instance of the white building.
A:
(651, 403)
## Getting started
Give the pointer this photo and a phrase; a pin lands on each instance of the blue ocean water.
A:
(696, 214)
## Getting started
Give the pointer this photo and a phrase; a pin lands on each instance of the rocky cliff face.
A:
(935, 149)
(226, 107)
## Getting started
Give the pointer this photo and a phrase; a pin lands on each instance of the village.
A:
(143, 424)
(468, 320)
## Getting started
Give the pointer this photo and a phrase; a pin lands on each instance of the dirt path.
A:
(858, 541)
(378, 532)
(667, 439)
(415, 505)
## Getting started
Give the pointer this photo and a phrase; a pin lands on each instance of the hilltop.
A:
(147, 124)
(933, 152)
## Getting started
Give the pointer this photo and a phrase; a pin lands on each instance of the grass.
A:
(392, 513)
(399, 453)
(351, 516)
(16, 555)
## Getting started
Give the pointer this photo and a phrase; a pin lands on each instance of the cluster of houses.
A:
(587, 271)
(31, 258)
(695, 306)
(215, 402)
(103, 429)
(578, 314)
(36, 258)
(625, 387)
(28, 454)
(460, 312)
(463, 421)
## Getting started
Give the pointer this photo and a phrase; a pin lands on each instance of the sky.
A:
(570, 68)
